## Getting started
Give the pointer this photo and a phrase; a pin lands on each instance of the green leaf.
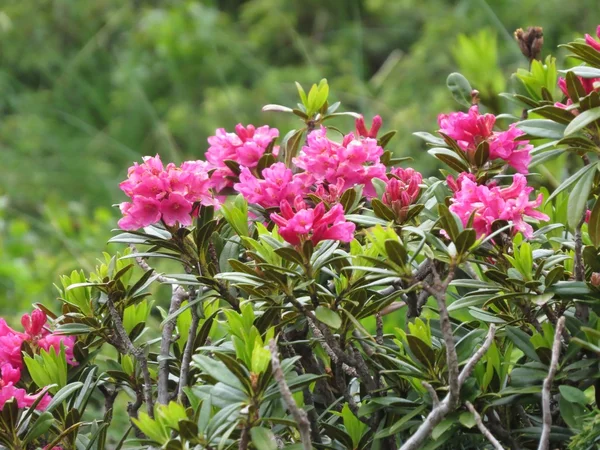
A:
(263, 438)
(542, 128)
(579, 196)
(442, 427)
(573, 395)
(572, 179)
(522, 342)
(467, 420)
(41, 425)
(594, 224)
(460, 88)
(583, 120)
(328, 317)
(218, 371)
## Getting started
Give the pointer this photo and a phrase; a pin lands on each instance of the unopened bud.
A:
(530, 42)
(474, 97)
(595, 279)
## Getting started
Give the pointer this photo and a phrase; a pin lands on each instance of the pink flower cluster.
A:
(11, 360)
(246, 146)
(356, 161)
(589, 85)
(402, 187)
(589, 40)
(491, 203)
(164, 193)
(472, 128)
(402, 190)
(299, 224)
(278, 183)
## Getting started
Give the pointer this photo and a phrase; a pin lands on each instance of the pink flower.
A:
(279, 183)
(331, 193)
(356, 161)
(589, 40)
(316, 224)
(176, 209)
(33, 324)
(246, 146)
(362, 131)
(467, 129)
(143, 211)
(54, 341)
(589, 85)
(166, 193)
(456, 184)
(9, 377)
(402, 190)
(489, 204)
(504, 145)
(10, 346)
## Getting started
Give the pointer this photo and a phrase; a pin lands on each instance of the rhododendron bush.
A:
(315, 291)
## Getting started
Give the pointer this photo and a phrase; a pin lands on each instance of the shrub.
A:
(324, 296)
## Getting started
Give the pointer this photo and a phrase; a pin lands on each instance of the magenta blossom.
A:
(470, 129)
(589, 85)
(246, 146)
(164, 193)
(39, 336)
(9, 377)
(589, 40)
(489, 204)
(505, 145)
(362, 131)
(10, 346)
(316, 224)
(402, 190)
(467, 129)
(279, 183)
(356, 161)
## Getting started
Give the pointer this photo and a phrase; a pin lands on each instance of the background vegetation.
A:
(88, 87)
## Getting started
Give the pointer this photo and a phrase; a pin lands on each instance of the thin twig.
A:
(379, 334)
(125, 345)
(187, 353)
(546, 390)
(147, 268)
(581, 309)
(434, 397)
(179, 295)
(488, 435)
(299, 414)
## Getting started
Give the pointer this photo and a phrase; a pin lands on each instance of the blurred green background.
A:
(88, 87)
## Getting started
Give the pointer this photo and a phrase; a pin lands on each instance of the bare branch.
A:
(546, 393)
(488, 435)
(124, 345)
(432, 393)
(187, 353)
(147, 268)
(299, 414)
(449, 403)
(179, 295)
(472, 362)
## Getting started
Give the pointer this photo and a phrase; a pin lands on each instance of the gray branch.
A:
(299, 414)
(124, 345)
(179, 295)
(546, 393)
(488, 435)
(448, 404)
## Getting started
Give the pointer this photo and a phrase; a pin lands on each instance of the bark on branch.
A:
(488, 435)
(546, 390)
(299, 414)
